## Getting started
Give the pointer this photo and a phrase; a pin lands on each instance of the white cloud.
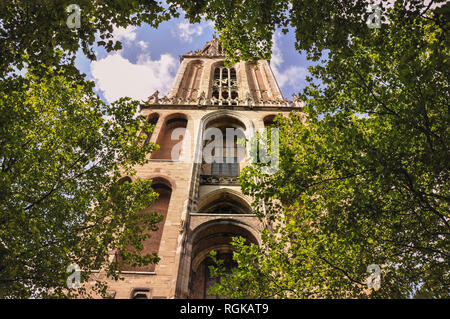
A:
(118, 77)
(121, 33)
(185, 31)
(293, 75)
(143, 44)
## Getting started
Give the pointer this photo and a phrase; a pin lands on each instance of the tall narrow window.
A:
(233, 74)
(225, 86)
(160, 206)
(169, 136)
(224, 74)
(152, 119)
(190, 83)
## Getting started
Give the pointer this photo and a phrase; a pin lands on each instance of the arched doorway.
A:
(214, 235)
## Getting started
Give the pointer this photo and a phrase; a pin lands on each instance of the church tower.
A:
(197, 125)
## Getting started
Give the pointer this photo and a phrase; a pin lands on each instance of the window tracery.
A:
(225, 86)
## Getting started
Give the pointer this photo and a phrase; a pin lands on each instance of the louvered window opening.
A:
(225, 87)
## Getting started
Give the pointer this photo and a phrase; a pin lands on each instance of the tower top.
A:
(204, 80)
(212, 49)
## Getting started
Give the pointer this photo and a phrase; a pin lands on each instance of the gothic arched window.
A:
(190, 83)
(171, 134)
(225, 88)
(152, 119)
(223, 148)
(151, 244)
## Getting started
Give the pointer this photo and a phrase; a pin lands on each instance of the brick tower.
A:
(199, 195)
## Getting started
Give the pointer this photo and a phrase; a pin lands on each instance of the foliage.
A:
(363, 175)
(362, 180)
(37, 28)
(246, 28)
(63, 149)
(62, 152)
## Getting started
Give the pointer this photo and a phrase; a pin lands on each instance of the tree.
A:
(62, 152)
(63, 149)
(362, 180)
(363, 176)
(37, 28)
(246, 28)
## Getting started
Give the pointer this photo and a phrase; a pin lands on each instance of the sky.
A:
(149, 60)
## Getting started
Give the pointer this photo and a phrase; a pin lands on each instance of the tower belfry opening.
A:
(201, 126)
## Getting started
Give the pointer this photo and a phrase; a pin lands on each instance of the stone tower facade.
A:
(199, 196)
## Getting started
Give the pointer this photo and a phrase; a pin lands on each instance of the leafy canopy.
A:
(62, 150)
(246, 28)
(363, 175)
(351, 190)
(38, 28)
(61, 155)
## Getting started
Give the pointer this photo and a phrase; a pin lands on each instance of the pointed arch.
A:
(213, 202)
(190, 82)
(269, 120)
(214, 235)
(153, 120)
(171, 133)
(163, 187)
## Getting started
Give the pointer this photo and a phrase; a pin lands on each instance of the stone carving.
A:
(153, 99)
(219, 180)
(249, 100)
(261, 102)
(201, 99)
(164, 100)
(211, 48)
(296, 101)
(286, 102)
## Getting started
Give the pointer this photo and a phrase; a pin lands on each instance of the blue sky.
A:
(149, 60)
